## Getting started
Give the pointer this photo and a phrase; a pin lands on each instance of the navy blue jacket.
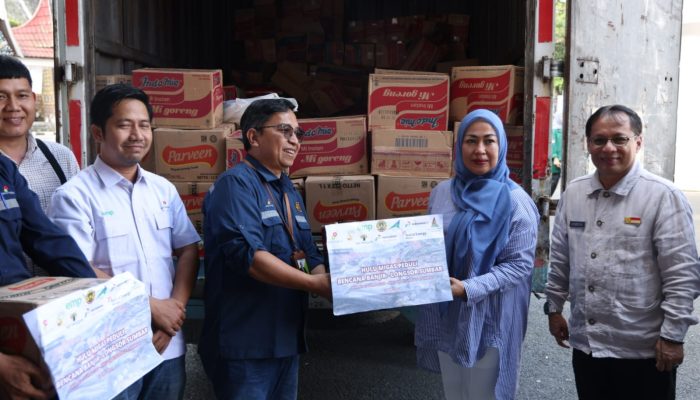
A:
(246, 318)
(25, 227)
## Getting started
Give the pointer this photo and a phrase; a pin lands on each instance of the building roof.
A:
(35, 37)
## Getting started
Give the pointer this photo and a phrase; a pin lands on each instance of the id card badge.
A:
(299, 259)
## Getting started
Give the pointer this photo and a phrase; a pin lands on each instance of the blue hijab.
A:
(480, 229)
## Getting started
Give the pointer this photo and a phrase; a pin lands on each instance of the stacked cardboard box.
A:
(497, 88)
(400, 100)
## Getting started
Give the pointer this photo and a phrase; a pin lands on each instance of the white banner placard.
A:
(387, 263)
(96, 341)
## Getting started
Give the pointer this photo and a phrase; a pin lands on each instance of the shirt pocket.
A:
(11, 217)
(114, 247)
(634, 273)
(276, 238)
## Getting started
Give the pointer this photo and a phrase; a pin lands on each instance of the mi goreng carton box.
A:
(183, 98)
(184, 155)
(408, 101)
(403, 196)
(332, 146)
(331, 199)
(93, 335)
(496, 88)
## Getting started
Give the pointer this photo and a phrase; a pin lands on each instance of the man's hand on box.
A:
(161, 340)
(167, 315)
(21, 379)
(321, 285)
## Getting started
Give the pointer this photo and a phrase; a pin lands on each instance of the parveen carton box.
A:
(186, 155)
(192, 195)
(403, 196)
(332, 199)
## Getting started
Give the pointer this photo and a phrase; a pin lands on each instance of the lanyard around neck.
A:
(288, 223)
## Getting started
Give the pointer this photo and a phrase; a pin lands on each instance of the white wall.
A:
(687, 175)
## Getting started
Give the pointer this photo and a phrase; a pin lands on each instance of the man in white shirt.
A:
(127, 219)
(623, 253)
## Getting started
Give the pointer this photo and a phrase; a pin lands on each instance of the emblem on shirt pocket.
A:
(577, 224)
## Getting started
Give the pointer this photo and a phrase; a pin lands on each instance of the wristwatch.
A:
(550, 308)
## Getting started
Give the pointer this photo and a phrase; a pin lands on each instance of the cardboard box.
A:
(403, 196)
(235, 149)
(515, 156)
(497, 88)
(93, 335)
(192, 195)
(408, 101)
(332, 199)
(183, 98)
(191, 155)
(413, 153)
(106, 80)
(332, 146)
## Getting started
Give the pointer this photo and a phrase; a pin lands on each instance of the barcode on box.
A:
(410, 142)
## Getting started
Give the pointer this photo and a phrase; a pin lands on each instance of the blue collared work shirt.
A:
(246, 318)
(25, 227)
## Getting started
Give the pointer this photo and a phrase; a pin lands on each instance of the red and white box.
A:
(192, 195)
(332, 146)
(496, 88)
(403, 196)
(408, 101)
(414, 153)
(333, 199)
(183, 98)
(235, 149)
(191, 155)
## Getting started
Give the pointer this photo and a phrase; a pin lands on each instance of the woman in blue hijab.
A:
(490, 236)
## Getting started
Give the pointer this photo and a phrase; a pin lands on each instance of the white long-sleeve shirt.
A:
(121, 227)
(626, 259)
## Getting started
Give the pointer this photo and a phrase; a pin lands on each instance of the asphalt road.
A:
(372, 356)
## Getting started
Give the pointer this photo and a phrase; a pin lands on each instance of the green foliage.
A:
(559, 40)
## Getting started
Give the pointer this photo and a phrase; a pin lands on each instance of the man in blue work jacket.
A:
(260, 263)
(25, 227)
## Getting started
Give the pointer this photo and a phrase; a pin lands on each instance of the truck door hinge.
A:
(549, 68)
(587, 70)
(70, 73)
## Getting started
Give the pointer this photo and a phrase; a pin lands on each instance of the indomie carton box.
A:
(408, 101)
(183, 98)
(403, 196)
(331, 199)
(496, 88)
(332, 146)
(191, 155)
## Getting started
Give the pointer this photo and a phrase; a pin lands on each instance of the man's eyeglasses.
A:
(287, 131)
(618, 141)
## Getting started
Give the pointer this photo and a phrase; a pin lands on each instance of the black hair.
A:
(614, 111)
(259, 112)
(109, 96)
(12, 68)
